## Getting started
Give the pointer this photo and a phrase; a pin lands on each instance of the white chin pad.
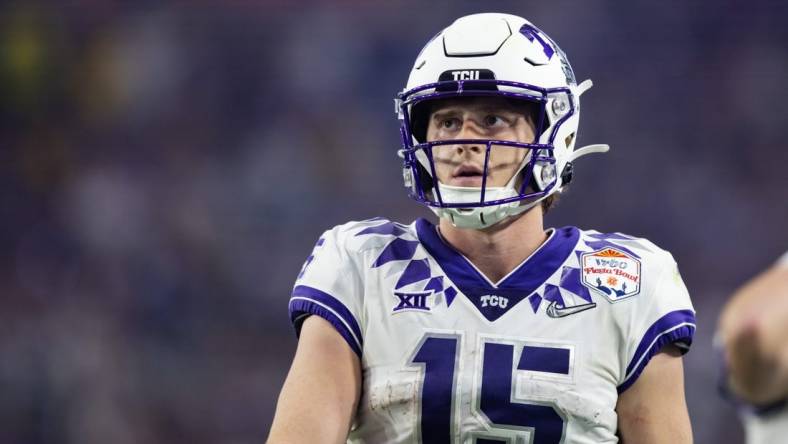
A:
(472, 195)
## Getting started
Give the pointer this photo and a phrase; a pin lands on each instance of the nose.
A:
(470, 130)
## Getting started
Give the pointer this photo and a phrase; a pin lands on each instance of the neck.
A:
(497, 250)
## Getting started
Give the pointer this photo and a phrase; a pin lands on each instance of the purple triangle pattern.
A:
(570, 281)
(400, 249)
(535, 301)
(553, 294)
(388, 228)
(417, 270)
(397, 250)
(450, 295)
(608, 236)
(435, 284)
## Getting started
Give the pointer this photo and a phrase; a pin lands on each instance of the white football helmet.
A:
(492, 55)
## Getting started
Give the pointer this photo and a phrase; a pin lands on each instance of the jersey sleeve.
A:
(660, 317)
(329, 285)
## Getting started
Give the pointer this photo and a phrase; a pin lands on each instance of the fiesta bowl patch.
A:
(612, 273)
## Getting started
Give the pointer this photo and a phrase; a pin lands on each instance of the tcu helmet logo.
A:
(457, 75)
(611, 272)
(465, 75)
(549, 47)
(532, 33)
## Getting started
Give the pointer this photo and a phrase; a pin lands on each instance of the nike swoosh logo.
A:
(554, 311)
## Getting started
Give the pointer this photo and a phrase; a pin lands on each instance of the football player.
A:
(485, 327)
(753, 332)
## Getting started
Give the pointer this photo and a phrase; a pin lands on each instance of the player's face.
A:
(478, 118)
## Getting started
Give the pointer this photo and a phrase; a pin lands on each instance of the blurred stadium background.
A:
(166, 168)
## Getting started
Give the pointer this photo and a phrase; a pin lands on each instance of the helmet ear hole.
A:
(568, 140)
(532, 184)
(419, 118)
(425, 178)
(567, 173)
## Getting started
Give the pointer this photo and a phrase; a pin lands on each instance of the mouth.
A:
(467, 175)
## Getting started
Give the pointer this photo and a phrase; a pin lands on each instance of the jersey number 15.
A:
(439, 354)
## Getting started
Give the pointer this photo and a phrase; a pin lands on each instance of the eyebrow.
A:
(441, 112)
(444, 111)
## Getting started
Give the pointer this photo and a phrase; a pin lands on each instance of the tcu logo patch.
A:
(612, 273)
(492, 300)
(411, 301)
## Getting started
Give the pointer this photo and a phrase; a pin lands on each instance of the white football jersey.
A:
(449, 357)
(771, 428)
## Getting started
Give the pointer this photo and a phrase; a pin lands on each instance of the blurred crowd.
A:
(166, 167)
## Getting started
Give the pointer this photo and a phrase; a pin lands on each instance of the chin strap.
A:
(588, 149)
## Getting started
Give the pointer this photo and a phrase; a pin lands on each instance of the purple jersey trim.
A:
(518, 285)
(676, 326)
(307, 301)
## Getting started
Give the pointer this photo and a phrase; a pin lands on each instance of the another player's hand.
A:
(754, 332)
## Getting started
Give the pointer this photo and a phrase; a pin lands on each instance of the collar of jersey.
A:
(521, 282)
